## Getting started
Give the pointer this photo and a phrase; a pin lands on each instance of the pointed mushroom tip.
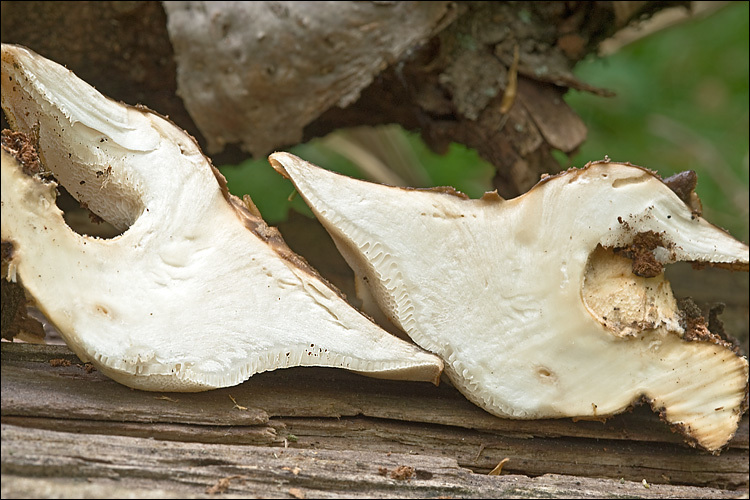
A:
(9, 49)
(277, 160)
(282, 162)
(293, 167)
(434, 371)
(427, 367)
(17, 56)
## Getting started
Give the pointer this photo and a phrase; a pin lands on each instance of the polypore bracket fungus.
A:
(533, 303)
(197, 292)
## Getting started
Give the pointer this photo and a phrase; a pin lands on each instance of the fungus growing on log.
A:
(552, 304)
(197, 292)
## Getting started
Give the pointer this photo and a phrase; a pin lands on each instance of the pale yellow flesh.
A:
(187, 298)
(495, 288)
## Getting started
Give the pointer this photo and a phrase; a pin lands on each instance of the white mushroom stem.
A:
(518, 297)
(197, 292)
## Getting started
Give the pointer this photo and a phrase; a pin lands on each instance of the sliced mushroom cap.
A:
(533, 303)
(197, 292)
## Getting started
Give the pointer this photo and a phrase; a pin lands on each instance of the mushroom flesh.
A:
(551, 304)
(197, 292)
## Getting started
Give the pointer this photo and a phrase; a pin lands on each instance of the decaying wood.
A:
(324, 415)
(442, 68)
(296, 58)
(115, 466)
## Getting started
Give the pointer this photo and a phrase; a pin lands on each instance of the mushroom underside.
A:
(552, 304)
(197, 292)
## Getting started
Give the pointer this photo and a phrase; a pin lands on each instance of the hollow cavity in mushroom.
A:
(197, 292)
(552, 304)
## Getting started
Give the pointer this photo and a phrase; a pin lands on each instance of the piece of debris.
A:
(296, 492)
(402, 473)
(511, 89)
(21, 146)
(59, 362)
(222, 485)
(498, 468)
(167, 398)
(237, 406)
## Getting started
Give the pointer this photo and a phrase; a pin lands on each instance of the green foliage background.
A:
(682, 103)
(461, 168)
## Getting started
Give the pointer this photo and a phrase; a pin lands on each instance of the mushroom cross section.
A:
(533, 302)
(197, 292)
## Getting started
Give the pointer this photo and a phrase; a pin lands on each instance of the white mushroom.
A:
(197, 292)
(526, 300)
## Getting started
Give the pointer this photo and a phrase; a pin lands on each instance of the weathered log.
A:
(335, 412)
(38, 463)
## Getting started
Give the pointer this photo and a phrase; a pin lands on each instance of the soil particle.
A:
(59, 362)
(641, 252)
(20, 146)
(402, 473)
(223, 484)
(698, 329)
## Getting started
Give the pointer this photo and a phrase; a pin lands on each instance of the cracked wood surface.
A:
(67, 430)
(137, 467)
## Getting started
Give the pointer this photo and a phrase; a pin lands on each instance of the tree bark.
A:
(265, 75)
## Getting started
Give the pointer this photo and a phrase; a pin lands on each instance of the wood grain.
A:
(338, 413)
(110, 466)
